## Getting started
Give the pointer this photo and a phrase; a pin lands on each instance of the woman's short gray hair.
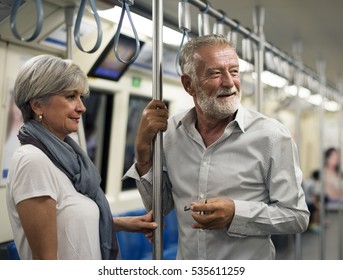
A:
(187, 61)
(43, 76)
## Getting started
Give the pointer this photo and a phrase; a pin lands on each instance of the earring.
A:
(40, 117)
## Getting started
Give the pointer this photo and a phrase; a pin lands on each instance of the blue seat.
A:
(170, 231)
(170, 253)
(12, 252)
(135, 246)
(170, 238)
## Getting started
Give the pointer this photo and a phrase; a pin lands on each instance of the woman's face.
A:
(62, 113)
(333, 160)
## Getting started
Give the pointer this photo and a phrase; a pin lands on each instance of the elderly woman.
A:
(55, 204)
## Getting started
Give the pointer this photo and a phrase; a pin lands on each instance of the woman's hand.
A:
(144, 224)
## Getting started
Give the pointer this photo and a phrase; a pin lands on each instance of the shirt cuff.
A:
(240, 219)
(144, 184)
(133, 173)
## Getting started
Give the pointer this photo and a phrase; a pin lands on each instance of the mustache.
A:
(226, 92)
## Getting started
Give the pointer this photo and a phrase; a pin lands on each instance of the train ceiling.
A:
(316, 25)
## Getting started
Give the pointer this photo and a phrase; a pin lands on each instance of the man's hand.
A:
(216, 213)
(154, 119)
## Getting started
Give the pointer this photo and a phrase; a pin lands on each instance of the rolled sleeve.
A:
(144, 184)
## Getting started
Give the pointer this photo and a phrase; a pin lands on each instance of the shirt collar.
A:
(240, 118)
(189, 118)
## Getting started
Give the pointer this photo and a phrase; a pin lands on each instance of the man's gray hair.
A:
(44, 76)
(186, 58)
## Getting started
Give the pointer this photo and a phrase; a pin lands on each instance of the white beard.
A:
(218, 109)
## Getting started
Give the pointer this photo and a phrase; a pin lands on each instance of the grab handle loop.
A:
(247, 48)
(204, 21)
(39, 24)
(185, 27)
(125, 8)
(78, 24)
(232, 35)
(184, 16)
(219, 25)
(178, 70)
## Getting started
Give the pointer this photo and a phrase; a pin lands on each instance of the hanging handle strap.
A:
(185, 27)
(13, 20)
(185, 35)
(219, 25)
(204, 21)
(78, 24)
(247, 48)
(125, 8)
(232, 35)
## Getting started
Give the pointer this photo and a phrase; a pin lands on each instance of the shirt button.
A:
(205, 163)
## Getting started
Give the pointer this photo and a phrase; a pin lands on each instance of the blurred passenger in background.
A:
(56, 207)
(236, 170)
(333, 190)
(312, 191)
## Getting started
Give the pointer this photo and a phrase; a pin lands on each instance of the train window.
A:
(14, 122)
(98, 116)
(136, 107)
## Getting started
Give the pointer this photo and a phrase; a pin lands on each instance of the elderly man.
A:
(235, 169)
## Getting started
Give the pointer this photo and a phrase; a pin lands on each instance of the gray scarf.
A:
(73, 161)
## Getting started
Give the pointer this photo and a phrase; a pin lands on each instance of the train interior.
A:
(120, 91)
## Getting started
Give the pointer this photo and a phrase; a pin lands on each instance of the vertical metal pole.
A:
(298, 246)
(258, 19)
(298, 242)
(322, 82)
(322, 180)
(69, 21)
(340, 144)
(297, 53)
(157, 15)
(340, 214)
